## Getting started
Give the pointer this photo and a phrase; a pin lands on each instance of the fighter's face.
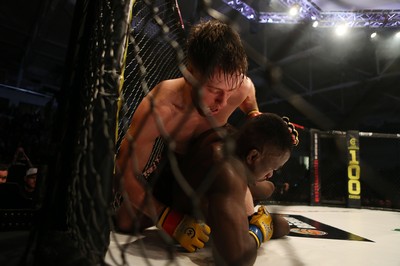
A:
(3, 176)
(215, 92)
(30, 181)
(263, 165)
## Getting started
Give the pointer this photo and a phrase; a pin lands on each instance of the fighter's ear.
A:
(252, 156)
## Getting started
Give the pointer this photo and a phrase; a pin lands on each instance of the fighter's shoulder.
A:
(166, 87)
(206, 143)
(164, 96)
(215, 138)
(246, 88)
(231, 176)
(247, 83)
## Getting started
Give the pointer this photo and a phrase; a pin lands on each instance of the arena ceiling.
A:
(299, 71)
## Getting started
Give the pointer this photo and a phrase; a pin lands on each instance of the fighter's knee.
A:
(123, 223)
(128, 221)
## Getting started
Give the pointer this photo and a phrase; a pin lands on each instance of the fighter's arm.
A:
(134, 153)
(146, 126)
(228, 219)
(262, 190)
(249, 106)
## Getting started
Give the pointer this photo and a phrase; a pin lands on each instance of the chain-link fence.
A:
(354, 169)
(119, 51)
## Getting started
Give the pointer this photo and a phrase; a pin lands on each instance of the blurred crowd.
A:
(25, 135)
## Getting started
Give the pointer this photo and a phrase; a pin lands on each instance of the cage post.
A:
(315, 181)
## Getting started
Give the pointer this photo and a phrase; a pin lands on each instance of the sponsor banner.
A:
(301, 226)
(353, 170)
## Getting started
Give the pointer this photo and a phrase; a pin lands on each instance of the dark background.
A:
(329, 82)
(323, 82)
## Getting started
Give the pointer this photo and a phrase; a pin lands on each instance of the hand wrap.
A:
(292, 130)
(261, 226)
(188, 232)
(253, 113)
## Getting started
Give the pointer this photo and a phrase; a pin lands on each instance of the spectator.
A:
(3, 173)
(30, 178)
(11, 196)
(20, 164)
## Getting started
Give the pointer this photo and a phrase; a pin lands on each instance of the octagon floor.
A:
(319, 236)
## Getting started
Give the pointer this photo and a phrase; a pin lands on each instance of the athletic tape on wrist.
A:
(254, 112)
(170, 220)
(256, 233)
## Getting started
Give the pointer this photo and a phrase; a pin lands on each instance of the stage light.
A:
(306, 8)
(294, 10)
(373, 35)
(315, 24)
(341, 30)
(397, 35)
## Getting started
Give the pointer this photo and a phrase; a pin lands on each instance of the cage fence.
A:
(347, 169)
(122, 49)
(119, 51)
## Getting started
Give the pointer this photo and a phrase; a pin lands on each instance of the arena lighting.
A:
(341, 30)
(397, 35)
(373, 35)
(309, 11)
(315, 24)
(294, 10)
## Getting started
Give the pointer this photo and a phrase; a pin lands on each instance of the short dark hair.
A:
(260, 131)
(213, 44)
(4, 167)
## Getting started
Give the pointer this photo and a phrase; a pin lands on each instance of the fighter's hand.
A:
(261, 226)
(190, 233)
(292, 130)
